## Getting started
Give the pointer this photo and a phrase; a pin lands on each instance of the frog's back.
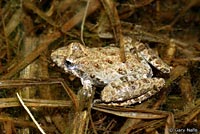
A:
(104, 65)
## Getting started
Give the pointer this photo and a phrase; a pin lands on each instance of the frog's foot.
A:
(124, 91)
(151, 57)
(87, 89)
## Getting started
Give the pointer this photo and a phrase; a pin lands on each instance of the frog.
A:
(123, 83)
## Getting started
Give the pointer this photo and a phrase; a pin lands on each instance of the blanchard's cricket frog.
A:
(124, 83)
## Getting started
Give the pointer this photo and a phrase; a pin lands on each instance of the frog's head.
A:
(66, 57)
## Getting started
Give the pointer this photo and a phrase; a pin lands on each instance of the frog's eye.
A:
(69, 64)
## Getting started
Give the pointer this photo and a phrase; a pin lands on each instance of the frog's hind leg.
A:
(150, 56)
(124, 91)
(134, 100)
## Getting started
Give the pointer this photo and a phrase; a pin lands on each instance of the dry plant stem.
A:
(176, 72)
(83, 21)
(13, 102)
(10, 26)
(50, 38)
(52, 9)
(190, 4)
(14, 21)
(122, 52)
(22, 123)
(130, 122)
(63, 5)
(112, 13)
(139, 114)
(8, 125)
(169, 26)
(92, 123)
(186, 89)
(29, 113)
(79, 123)
(149, 126)
(132, 113)
(43, 72)
(32, 56)
(170, 52)
(26, 82)
(89, 112)
(31, 6)
(6, 40)
(185, 117)
(194, 114)
(141, 3)
(109, 7)
(82, 117)
(30, 71)
(94, 4)
(170, 123)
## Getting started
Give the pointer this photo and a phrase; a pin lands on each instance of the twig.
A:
(83, 21)
(29, 113)
(79, 16)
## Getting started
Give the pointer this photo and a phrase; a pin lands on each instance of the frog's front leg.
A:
(127, 91)
(85, 94)
(150, 56)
